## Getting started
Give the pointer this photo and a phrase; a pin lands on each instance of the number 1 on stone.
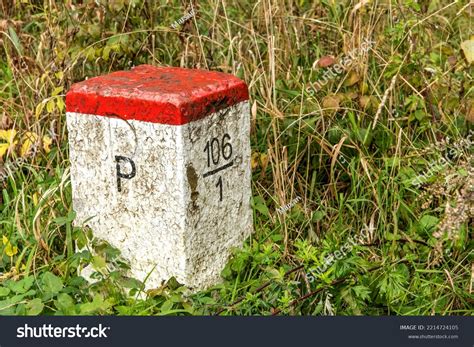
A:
(219, 184)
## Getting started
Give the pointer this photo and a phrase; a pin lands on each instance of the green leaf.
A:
(15, 40)
(34, 307)
(4, 291)
(96, 305)
(391, 236)
(22, 286)
(7, 306)
(52, 284)
(361, 292)
(428, 222)
(317, 216)
(207, 300)
(98, 262)
(167, 306)
(259, 204)
(60, 221)
(65, 303)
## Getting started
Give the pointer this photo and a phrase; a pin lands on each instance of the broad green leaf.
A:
(4, 291)
(428, 222)
(98, 304)
(15, 40)
(65, 303)
(260, 206)
(98, 262)
(22, 286)
(34, 307)
(52, 284)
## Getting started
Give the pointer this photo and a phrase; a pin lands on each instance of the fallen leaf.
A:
(352, 79)
(332, 101)
(368, 102)
(468, 49)
(364, 101)
(350, 95)
(452, 60)
(326, 61)
(254, 160)
(3, 25)
(5, 122)
(470, 112)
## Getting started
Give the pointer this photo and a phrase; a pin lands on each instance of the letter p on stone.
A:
(160, 169)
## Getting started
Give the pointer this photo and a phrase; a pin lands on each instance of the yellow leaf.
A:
(60, 104)
(5, 240)
(352, 79)
(8, 135)
(35, 199)
(57, 90)
(3, 148)
(50, 106)
(468, 49)
(59, 75)
(11, 250)
(254, 160)
(39, 109)
(31, 138)
(47, 141)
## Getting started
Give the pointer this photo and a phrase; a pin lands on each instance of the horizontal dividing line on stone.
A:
(223, 167)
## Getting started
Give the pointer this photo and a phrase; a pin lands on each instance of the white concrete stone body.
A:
(178, 215)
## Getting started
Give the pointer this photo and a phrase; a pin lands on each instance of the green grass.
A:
(351, 151)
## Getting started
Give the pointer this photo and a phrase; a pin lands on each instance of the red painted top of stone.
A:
(167, 95)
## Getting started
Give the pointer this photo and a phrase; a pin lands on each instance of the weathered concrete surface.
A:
(215, 225)
(175, 216)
